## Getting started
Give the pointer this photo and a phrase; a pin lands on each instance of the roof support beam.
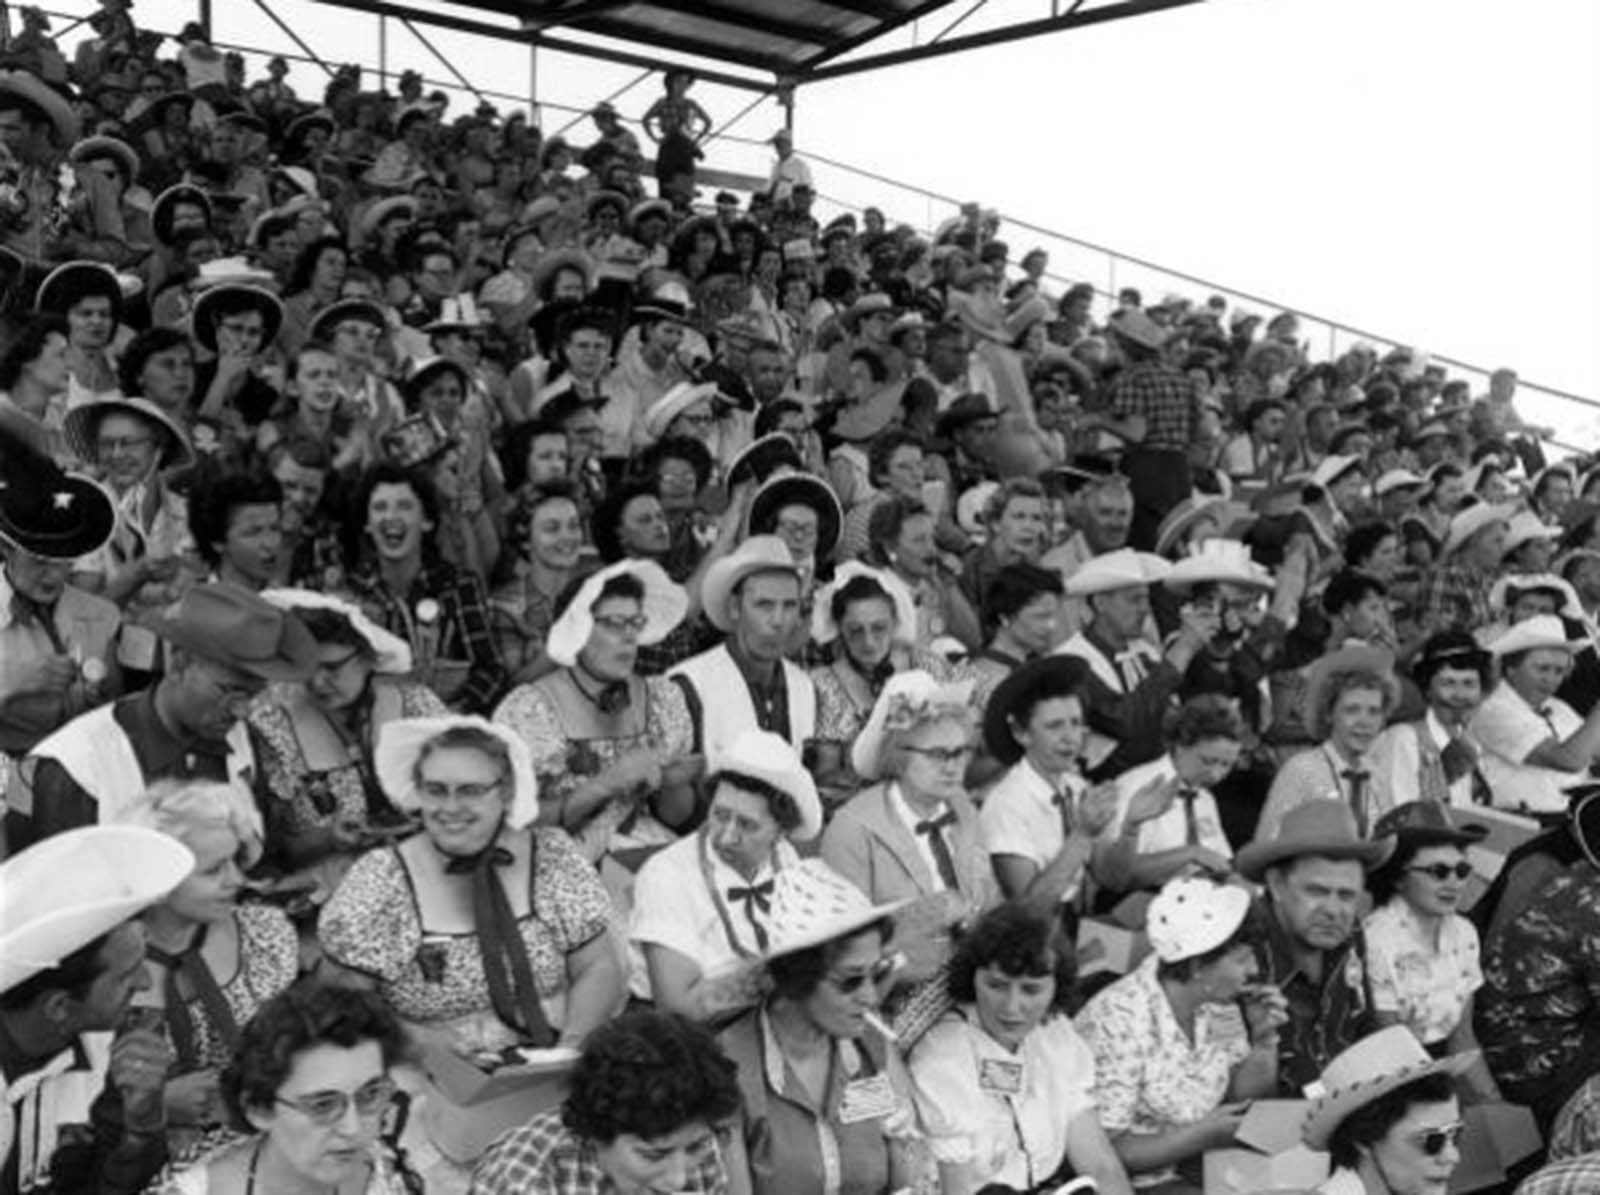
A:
(989, 37)
(888, 26)
(741, 19)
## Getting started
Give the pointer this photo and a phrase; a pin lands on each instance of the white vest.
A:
(726, 710)
(40, 1103)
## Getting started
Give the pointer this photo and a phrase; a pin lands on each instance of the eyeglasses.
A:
(1443, 871)
(942, 755)
(121, 443)
(877, 975)
(434, 790)
(1434, 1140)
(328, 1107)
(617, 624)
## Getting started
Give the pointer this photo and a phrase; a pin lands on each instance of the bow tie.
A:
(934, 825)
(493, 856)
(759, 895)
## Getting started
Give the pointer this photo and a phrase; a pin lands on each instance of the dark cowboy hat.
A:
(1017, 687)
(425, 371)
(68, 283)
(334, 314)
(1319, 827)
(762, 458)
(1417, 824)
(50, 513)
(230, 625)
(316, 118)
(798, 489)
(966, 410)
(216, 301)
(161, 210)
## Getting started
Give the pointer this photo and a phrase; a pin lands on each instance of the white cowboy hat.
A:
(813, 904)
(1467, 523)
(664, 606)
(1524, 527)
(906, 699)
(391, 654)
(400, 743)
(1399, 479)
(1221, 510)
(758, 554)
(770, 758)
(1219, 560)
(61, 894)
(825, 630)
(1191, 916)
(1570, 607)
(1373, 1067)
(659, 415)
(1331, 468)
(1123, 569)
(1541, 631)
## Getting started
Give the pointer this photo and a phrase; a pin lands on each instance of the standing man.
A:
(788, 171)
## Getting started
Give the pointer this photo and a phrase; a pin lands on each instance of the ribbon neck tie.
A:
(1191, 824)
(1062, 800)
(189, 978)
(1130, 667)
(506, 968)
(934, 827)
(756, 896)
(1357, 780)
(878, 675)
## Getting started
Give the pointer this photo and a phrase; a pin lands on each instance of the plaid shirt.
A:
(1165, 400)
(465, 630)
(1571, 1176)
(1457, 600)
(543, 1157)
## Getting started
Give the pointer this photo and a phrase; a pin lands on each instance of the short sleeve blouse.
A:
(1428, 985)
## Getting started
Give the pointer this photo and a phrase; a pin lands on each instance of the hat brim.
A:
(69, 284)
(89, 534)
(997, 736)
(664, 606)
(391, 654)
(295, 659)
(1255, 858)
(176, 453)
(330, 317)
(802, 489)
(266, 304)
(758, 460)
(1328, 1111)
(400, 742)
(840, 927)
(865, 419)
(726, 575)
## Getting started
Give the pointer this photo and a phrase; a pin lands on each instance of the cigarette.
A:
(881, 1026)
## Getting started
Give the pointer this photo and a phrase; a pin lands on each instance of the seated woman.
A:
(1003, 1082)
(317, 736)
(544, 550)
(481, 930)
(901, 539)
(644, 1105)
(214, 962)
(612, 750)
(1171, 1046)
(1422, 955)
(1388, 1117)
(704, 903)
(310, 1056)
(826, 1103)
(869, 620)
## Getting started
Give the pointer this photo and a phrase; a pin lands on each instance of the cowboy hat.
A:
(798, 489)
(55, 108)
(648, 207)
(906, 699)
(233, 271)
(1416, 824)
(1500, 593)
(550, 264)
(538, 209)
(1125, 568)
(812, 904)
(1373, 1067)
(600, 199)
(1523, 528)
(670, 300)
(863, 420)
(771, 759)
(391, 654)
(1541, 632)
(161, 209)
(1398, 479)
(757, 554)
(1331, 468)
(303, 124)
(1465, 524)
(82, 426)
(664, 605)
(968, 409)
(52, 514)
(1138, 328)
(1192, 915)
(1020, 685)
(400, 745)
(383, 211)
(1357, 657)
(825, 630)
(331, 316)
(873, 302)
(73, 281)
(1431, 430)
(229, 625)
(761, 458)
(91, 148)
(1317, 827)
(73, 888)
(1226, 560)
(458, 313)
(658, 416)
(216, 302)
(1182, 518)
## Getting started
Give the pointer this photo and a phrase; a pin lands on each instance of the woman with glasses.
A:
(1422, 954)
(310, 1079)
(317, 736)
(827, 1104)
(482, 930)
(612, 750)
(545, 534)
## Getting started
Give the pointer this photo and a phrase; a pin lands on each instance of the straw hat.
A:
(61, 894)
(1355, 658)
(1376, 1065)
(1182, 518)
(551, 264)
(1398, 479)
(907, 699)
(648, 207)
(232, 297)
(400, 744)
(384, 210)
(232, 626)
(1191, 916)
(1523, 528)
(758, 554)
(1331, 468)
(862, 421)
(1125, 568)
(124, 154)
(82, 426)
(1317, 827)
(770, 758)
(1542, 631)
(600, 199)
(824, 630)
(658, 416)
(664, 606)
(1226, 560)
(392, 654)
(812, 904)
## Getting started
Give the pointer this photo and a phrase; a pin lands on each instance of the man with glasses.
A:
(224, 645)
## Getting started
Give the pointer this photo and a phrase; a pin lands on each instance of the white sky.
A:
(1428, 170)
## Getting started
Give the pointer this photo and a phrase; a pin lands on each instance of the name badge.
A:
(1000, 1077)
(867, 1099)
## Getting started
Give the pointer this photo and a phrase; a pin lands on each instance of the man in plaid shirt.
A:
(642, 1112)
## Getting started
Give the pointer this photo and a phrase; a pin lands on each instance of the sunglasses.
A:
(876, 975)
(1434, 1140)
(1443, 871)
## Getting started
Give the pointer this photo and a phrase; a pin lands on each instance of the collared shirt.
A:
(1324, 1017)
(1509, 729)
(544, 1157)
(1021, 816)
(1169, 830)
(1398, 755)
(1163, 397)
(769, 695)
(1320, 774)
(910, 817)
(1426, 982)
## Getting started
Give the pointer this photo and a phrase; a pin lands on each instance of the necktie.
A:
(1191, 826)
(933, 827)
(27, 611)
(756, 896)
(1459, 759)
(1130, 667)
(187, 969)
(1357, 779)
(506, 968)
(1063, 803)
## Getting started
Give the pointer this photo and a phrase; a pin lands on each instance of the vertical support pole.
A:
(205, 20)
(5, 25)
(383, 52)
(533, 82)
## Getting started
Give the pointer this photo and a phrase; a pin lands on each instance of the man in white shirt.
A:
(1436, 758)
(789, 170)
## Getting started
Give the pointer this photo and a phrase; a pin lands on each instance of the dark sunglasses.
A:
(1443, 871)
(876, 975)
(1434, 1140)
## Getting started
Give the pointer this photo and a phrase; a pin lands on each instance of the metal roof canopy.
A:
(786, 42)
